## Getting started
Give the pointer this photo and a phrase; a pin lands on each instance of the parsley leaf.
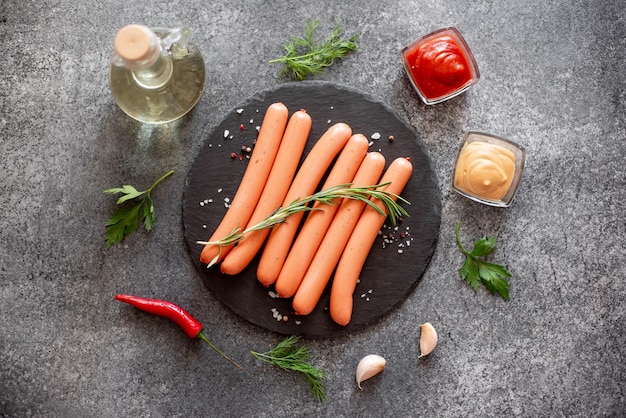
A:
(304, 56)
(475, 271)
(125, 220)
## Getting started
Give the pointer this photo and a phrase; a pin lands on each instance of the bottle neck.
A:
(140, 50)
(156, 75)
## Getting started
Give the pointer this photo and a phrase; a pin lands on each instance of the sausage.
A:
(306, 181)
(278, 182)
(254, 178)
(360, 244)
(328, 254)
(318, 221)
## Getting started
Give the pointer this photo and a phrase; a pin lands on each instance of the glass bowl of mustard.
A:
(488, 169)
(440, 65)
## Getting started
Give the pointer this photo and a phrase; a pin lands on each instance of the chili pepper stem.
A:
(217, 350)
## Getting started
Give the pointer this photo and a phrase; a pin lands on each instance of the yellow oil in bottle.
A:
(162, 88)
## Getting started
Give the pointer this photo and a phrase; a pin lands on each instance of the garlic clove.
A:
(428, 339)
(369, 366)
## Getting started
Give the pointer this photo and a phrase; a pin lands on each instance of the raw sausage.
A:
(317, 221)
(278, 182)
(307, 179)
(360, 244)
(328, 254)
(254, 178)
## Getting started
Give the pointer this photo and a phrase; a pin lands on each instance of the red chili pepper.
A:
(169, 310)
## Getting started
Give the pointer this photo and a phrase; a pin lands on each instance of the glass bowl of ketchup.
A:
(440, 65)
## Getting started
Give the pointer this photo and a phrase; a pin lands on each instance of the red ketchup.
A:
(440, 65)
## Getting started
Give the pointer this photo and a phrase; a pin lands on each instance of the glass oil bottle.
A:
(156, 75)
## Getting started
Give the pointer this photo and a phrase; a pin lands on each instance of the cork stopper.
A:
(133, 43)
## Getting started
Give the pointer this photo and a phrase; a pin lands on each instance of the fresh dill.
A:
(288, 356)
(304, 56)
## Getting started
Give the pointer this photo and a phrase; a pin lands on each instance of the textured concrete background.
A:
(553, 80)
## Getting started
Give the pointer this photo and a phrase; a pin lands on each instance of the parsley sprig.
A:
(290, 357)
(125, 220)
(474, 270)
(304, 56)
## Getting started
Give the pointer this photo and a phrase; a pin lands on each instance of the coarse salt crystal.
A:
(400, 251)
(226, 200)
(219, 190)
(240, 111)
(375, 135)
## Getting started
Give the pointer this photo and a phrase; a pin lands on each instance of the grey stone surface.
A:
(553, 79)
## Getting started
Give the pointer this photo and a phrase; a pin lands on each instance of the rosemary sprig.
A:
(329, 196)
(291, 358)
(303, 56)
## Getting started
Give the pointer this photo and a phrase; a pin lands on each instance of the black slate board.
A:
(390, 273)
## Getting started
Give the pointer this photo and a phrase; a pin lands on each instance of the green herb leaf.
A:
(484, 246)
(148, 214)
(469, 273)
(475, 271)
(304, 56)
(288, 356)
(125, 220)
(127, 190)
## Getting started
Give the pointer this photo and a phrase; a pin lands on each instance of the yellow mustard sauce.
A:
(485, 170)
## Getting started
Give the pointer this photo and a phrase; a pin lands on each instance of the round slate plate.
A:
(392, 269)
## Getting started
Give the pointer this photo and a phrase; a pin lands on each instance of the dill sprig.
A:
(290, 357)
(303, 56)
(330, 196)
